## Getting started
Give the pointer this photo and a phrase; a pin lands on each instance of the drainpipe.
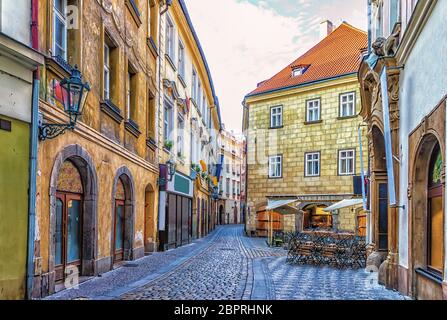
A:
(160, 85)
(369, 26)
(33, 156)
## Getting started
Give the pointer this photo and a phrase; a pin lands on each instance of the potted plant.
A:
(180, 156)
(168, 145)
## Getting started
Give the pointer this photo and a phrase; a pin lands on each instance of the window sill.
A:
(274, 128)
(346, 174)
(151, 143)
(348, 117)
(429, 275)
(131, 5)
(111, 110)
(152, 46)
(313, 122)
(132, 127)
(168, 58)
(316, 176)
(275, 178)
(167, 150)
(59, 66)
(182, 81)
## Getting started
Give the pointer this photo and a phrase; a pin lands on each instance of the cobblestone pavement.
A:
(229, 266)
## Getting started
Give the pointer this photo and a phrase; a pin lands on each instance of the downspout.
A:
(160, 85)
(369, 27)
(33, 155)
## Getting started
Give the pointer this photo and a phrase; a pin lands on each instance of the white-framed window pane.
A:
(346, 162)
(181, 60)
(313, 110)
(276, 117)
(60, 36)
(275, 167)
(347, 105)
(106, 72)
(313, 164)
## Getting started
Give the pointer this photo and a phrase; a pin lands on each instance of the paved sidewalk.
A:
(117, 282)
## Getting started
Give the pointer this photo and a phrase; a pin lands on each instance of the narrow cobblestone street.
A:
(227, 265)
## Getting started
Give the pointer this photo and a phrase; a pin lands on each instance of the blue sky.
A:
(248, 41)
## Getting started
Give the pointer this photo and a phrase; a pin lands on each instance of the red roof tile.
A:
(338, 54)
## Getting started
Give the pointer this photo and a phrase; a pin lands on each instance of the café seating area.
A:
(317, 247)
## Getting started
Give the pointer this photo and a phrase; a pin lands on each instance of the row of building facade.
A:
(393, 143)
(138, 171)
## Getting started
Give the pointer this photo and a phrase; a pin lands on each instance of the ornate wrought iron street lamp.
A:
(172, 166)
(74, 96)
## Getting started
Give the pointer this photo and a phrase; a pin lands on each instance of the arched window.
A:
(435, 236)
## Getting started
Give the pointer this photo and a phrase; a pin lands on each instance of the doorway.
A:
(68, 234)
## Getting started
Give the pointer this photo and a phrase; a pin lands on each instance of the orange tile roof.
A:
(338, 54)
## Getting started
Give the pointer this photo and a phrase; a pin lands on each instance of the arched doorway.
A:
(379, 192)
(73, 216)
(315, 218)
(149, 219)
(122, 216)
(427, 217)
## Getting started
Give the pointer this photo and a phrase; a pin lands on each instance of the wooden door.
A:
(68, 234)
(119, 230)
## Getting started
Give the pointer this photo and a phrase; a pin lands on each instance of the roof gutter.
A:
(305, 84)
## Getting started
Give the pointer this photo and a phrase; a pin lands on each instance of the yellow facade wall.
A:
(295, 139)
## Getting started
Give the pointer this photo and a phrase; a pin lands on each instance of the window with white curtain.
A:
(346, 163)
(313, 110)
(312, 164)
(275, 166)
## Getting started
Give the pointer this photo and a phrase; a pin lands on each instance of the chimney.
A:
(326, 28)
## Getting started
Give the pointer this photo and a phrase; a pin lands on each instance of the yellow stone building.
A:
(97, 193)
(302, 135)
(189, 123)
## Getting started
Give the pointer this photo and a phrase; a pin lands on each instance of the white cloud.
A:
(245, 44)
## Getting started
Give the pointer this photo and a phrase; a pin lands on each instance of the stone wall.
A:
(296, 138)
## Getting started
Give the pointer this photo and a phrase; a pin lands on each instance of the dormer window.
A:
(299, 70)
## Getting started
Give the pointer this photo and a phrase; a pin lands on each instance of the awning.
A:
(345, 203)
(282, 206)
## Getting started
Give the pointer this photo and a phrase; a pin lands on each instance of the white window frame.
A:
(128, 94)
(343, 157)
(170, 50)
(194, 85)
(310, 159)
(275, 166)
(313, 107)
(344, 105)
(276, 117)
(180, 134)
(181, 59)
(62, 17)
(167, 120)
(106, 87)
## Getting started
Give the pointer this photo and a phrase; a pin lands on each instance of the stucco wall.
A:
(14, 170)
(422, 86)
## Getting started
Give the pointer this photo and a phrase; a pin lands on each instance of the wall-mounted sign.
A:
(387, 134)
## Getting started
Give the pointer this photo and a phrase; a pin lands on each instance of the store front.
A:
(175, 214)
(427, 207)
